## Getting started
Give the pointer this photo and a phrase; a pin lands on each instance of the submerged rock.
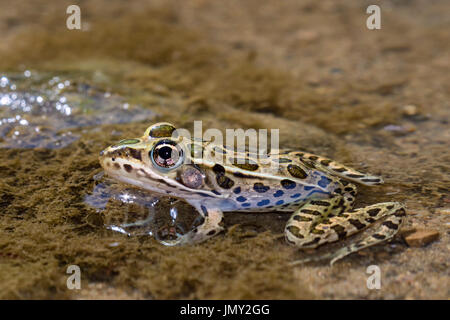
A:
(420, 237)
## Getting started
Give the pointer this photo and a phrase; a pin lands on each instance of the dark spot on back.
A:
(373, 212)
(244, 164)
(218, 169)
(370, 180)
(400, 213)
(320, 203)
(224, 182)
(245, 176)
(353, 175)
(288, 184)
(295, 231)
(340, 230)
(282, 160)
(313, 212)
(302, 218)
(357, 224)
(127, 167)
(259, 187)
(379, 236)
(296, 171)
(390, 225)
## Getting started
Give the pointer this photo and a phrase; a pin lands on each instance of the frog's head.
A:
(159, 161)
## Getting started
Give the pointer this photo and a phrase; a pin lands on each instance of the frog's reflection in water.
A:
(136, 212)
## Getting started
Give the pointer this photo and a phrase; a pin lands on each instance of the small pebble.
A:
(410, 110)
(400, 129)
(114, 244)
(421, 237)
(443, 210)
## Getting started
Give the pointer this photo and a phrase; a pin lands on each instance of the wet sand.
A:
(311, 69)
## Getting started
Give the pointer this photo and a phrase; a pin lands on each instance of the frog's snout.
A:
(103, 155)
(104, 152)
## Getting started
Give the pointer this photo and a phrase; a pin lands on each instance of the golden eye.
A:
(166, 155)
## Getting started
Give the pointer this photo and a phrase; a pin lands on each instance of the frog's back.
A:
(250, 182)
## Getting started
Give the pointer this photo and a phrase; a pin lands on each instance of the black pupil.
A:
(165, 152)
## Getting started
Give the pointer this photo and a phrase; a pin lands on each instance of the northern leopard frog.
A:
(317, 191)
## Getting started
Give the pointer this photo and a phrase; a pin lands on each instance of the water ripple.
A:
(42, 111)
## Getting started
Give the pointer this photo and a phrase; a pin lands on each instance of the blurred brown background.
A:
(375, 99)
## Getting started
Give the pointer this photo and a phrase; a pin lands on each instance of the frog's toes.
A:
(198, 235)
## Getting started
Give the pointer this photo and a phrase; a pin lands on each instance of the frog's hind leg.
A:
(337, 169)
(315, 224)
(394, 214)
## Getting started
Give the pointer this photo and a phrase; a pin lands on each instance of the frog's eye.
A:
(160, 130)
(166, 155)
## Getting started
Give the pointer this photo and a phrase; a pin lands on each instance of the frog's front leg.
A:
(210, 226)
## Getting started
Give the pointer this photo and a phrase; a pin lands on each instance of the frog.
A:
(318, 192)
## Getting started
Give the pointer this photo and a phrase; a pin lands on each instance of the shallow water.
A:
(331, 87)
(42, 110)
